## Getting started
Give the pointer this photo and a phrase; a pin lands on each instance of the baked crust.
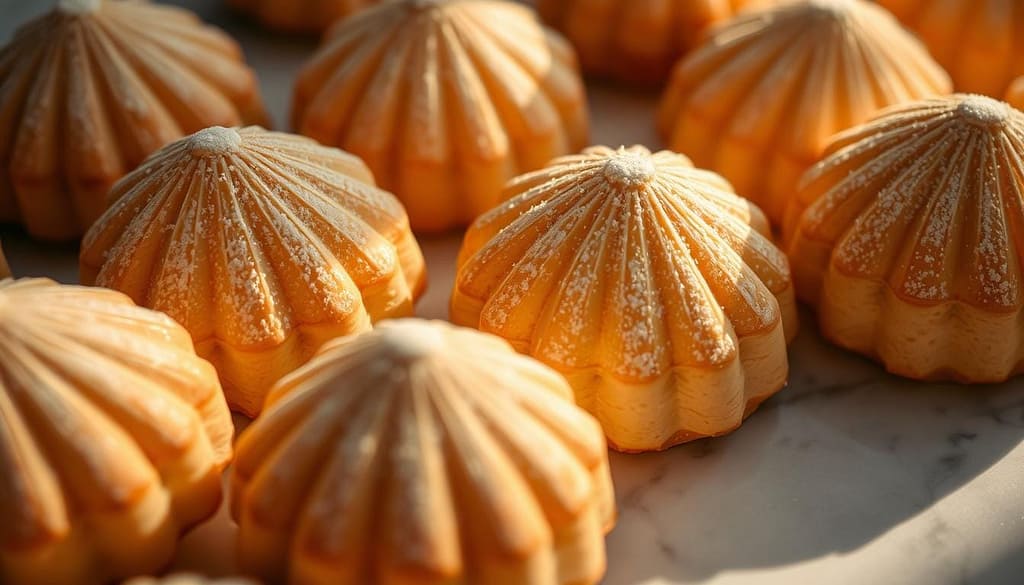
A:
(646, 282)
(263, 245)
(445, 100)
(113, 435)
(760, 99)
(423, 453)
(93, 87)
(907, 239)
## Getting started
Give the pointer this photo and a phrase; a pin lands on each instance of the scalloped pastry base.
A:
(943, 342)
(687, 403)
(247, 375)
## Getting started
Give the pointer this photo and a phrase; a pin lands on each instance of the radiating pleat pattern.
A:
(422, 452)
(86, 96)
(262, 248)
(636, 40)
(627, 267)
(979, 42)
(759, 100)
(925, 203)
(110, 424)
(445, 100)
(301, 16)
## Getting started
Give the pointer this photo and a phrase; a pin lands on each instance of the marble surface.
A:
(848, 476)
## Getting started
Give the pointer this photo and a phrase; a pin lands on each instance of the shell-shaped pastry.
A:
(1015, 95)
(300, 16)
(979, 42)
(646, 282)
(90, 89)
(760, 99)
(423, 453)
(5, 270)
(262, 244)
(113, 435)
(188, 579)
(445, 100)
(906, 238)
(635, 40)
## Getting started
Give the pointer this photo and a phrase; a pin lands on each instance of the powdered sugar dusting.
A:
(940, 173)
(627, 287)
(215, 140)
(284, 244)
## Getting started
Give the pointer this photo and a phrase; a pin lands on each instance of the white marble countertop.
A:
(848, 476)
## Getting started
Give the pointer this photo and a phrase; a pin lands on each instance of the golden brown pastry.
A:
(90, 89)
(301, 16)
(445, 100)
(636, 40)
(113, 435)
(906, 239)
(188, 579)
(760, 99)
(262, 244)
(423, 453)
(1015, 95)
(5, 270)
(646, 282)
(980, 42)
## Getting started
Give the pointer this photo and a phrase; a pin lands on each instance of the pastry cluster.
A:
(604, 296)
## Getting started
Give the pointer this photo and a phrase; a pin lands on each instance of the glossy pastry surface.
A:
(113, 435)
(445, 100)
(262, 244)
(423, 453)
(908, 237)
(645, 281)
(90, 89)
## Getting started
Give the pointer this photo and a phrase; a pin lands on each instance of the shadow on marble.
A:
(840, 457)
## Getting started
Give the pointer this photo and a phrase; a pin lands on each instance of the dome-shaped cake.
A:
(301, 16)
(906, 238)
(646, 282)
(980, 42)
(759, 100)
(636, 40)
(5, 270)
(1015, 95)
(113, 435)
(445, 100)
(90, 89)
(423, 453)
(188, 579)
(262, 244)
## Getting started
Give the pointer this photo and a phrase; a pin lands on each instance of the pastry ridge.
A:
(262, 244)
(422, 452)
(445, 100)
(113, 436)
(914, 219)
(640, 278)
(759, 100)
(90, 89)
